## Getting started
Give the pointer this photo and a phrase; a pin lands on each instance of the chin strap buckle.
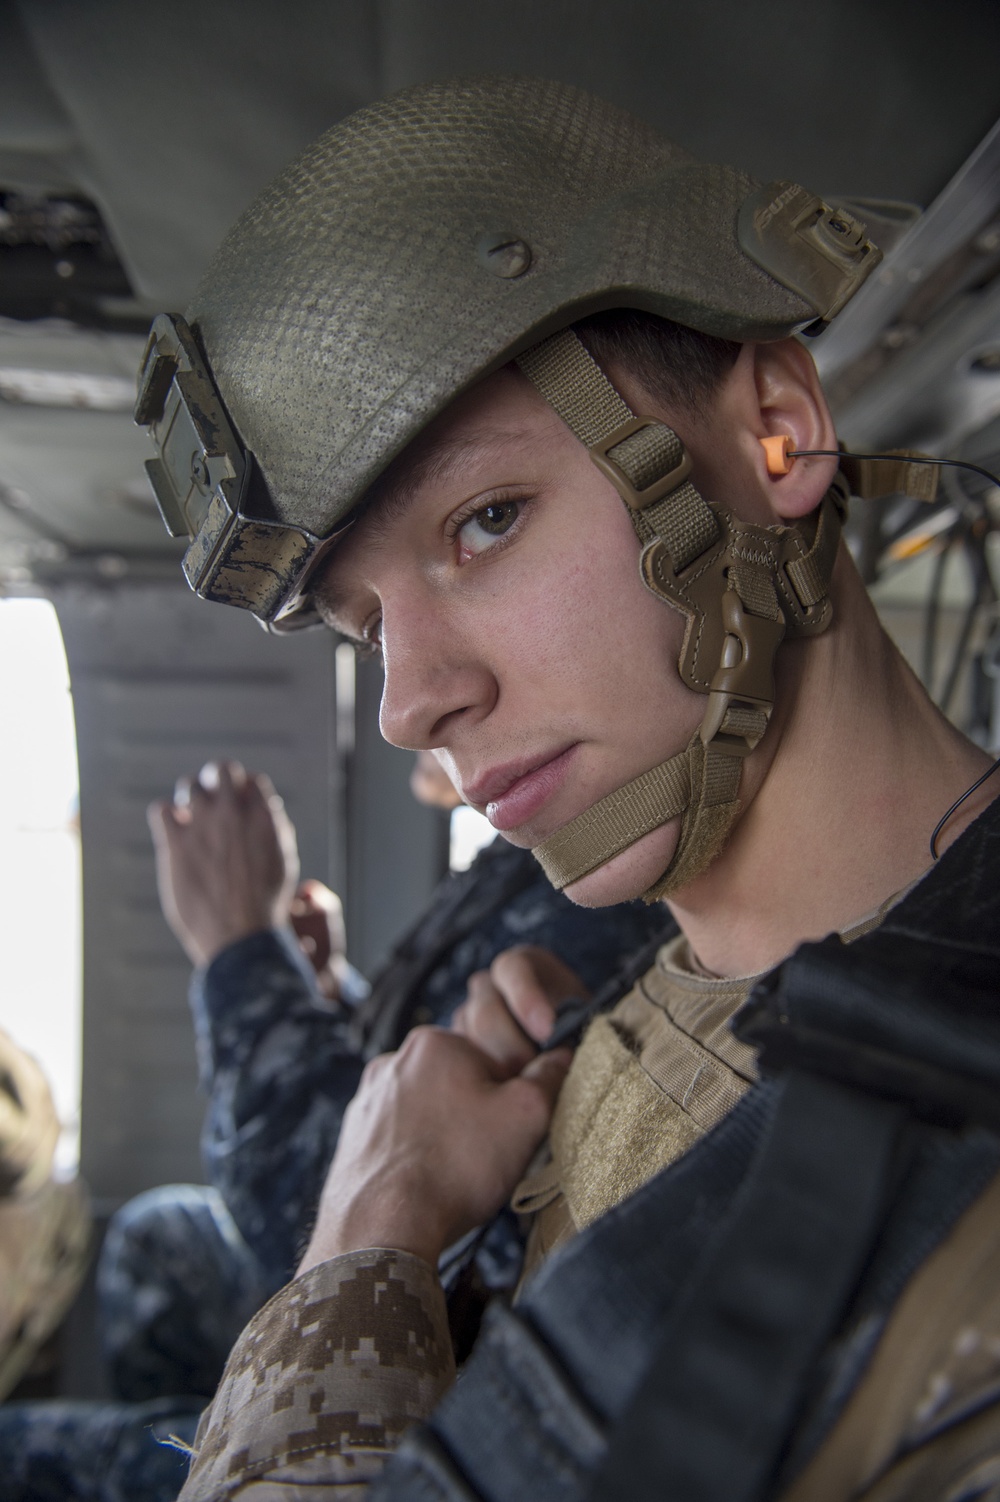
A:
(742, 691)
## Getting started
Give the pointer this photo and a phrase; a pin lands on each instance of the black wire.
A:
(958, 804)
(895, 459)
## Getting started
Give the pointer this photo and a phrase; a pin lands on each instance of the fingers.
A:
(513, 972)
(535, 1092)
(318, 920)
(267, 790)
(432, 1145)
(533, 982)
(485, 1019)
(548, 1071)
(226, 777)
(312, 896)
(227, 862)
(227, 785)
(164, 820)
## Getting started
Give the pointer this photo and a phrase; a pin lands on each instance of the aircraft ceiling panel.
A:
(37, 138)
(184, 110)
(172, 116)
(882, 100)
(71, 459)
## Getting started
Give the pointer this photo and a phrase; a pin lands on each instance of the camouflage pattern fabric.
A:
(325, 1380)
(95, 1452)
(44, 1222)
(176, 1283)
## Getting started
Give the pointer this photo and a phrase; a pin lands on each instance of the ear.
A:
(790, 400)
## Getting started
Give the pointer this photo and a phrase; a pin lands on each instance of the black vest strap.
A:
(769, 1292)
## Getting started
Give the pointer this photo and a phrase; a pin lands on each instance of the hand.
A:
(226, 859)
(511, 1007)
(432, 1145)
(318, 920)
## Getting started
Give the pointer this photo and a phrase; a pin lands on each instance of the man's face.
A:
(500, 579)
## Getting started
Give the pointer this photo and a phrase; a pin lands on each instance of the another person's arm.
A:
(277, 1061)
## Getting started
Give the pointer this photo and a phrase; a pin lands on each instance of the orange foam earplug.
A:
(776, 452)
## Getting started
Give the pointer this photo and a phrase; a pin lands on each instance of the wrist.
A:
(389, 1215)
(205, 948)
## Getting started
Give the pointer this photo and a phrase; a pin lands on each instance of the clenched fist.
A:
(432, 1145)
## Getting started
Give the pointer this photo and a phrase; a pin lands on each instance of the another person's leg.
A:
(176, 1284)
(96, 1452)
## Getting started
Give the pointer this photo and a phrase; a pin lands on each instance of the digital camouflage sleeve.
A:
(323, 1382)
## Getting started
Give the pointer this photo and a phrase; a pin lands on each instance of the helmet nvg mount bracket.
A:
(427, 241)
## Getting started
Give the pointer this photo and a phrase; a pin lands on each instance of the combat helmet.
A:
(425, 242)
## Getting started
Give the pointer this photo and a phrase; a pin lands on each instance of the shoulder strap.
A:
(726, 1383)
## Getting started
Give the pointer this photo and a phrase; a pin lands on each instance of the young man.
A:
(411, 333)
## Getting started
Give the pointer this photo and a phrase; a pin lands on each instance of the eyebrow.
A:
(395, 490)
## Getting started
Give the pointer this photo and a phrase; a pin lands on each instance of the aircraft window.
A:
(469, 832)
(40, 893)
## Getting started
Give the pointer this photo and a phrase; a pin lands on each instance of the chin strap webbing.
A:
(643, 458)
(617, 821)
(647, 464)
(701, 782)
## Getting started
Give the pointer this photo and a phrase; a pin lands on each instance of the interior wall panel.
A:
(397, 850)
(162, 683)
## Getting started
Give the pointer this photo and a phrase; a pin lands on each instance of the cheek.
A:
(590, 623)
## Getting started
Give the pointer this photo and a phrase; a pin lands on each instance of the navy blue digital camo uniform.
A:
(184, 1267)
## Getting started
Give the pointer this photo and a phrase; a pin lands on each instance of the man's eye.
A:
(485, 526)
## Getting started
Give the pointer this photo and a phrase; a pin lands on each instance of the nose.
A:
(436, 679)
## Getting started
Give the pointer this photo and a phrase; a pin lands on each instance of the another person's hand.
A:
(432, 1145)
(511, 1008)
(226, 859)
(317, 917)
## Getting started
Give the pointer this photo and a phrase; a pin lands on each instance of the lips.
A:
(512, 795)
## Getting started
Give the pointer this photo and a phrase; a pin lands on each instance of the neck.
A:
(840, 797)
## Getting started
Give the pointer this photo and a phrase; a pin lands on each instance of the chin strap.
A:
(742, 588)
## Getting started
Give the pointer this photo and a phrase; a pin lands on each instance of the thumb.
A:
(547, 1071)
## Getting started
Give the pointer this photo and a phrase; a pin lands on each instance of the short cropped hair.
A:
(680, 366)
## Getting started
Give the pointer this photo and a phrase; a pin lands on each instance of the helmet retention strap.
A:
(743, 588)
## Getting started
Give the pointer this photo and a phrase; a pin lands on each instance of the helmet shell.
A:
(358, 294)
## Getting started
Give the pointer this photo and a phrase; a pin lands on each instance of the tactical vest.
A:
(701, 1340)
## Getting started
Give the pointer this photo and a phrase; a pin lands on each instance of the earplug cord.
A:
(894, 459)
(976, 469)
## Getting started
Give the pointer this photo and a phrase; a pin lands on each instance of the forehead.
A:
(496, 433)
(494, 421)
